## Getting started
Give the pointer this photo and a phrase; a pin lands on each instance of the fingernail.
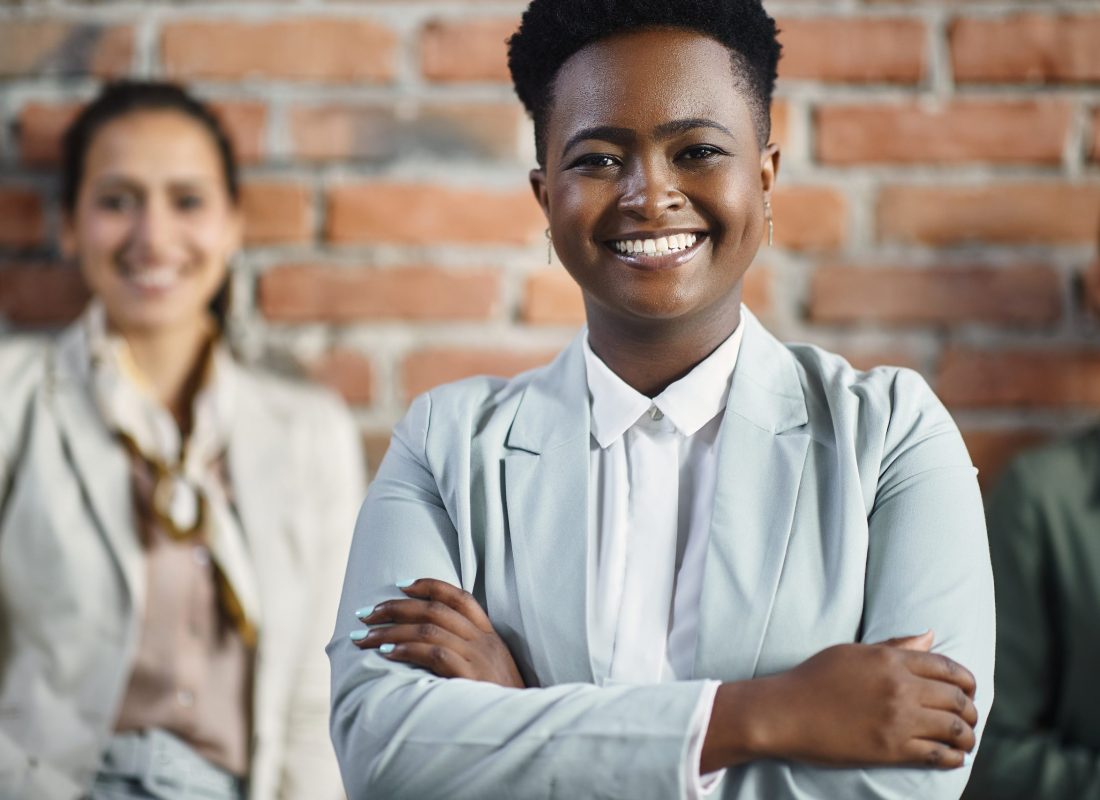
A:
(405, 584)
(386, 648)
(364, 612)
(358, 636)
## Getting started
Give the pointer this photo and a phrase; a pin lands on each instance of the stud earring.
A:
(771, 224)
(549, 248)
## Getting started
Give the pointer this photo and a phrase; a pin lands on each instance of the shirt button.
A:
(185, 698)
(656, 414)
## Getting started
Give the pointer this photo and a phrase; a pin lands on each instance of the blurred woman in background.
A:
(171, 523)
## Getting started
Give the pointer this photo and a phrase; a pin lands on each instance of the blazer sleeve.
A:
(400, 732)
(927, 568)
(22, 775)
(337, 481)
(1023, 756)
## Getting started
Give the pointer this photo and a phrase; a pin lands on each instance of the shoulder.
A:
(24, 366)
(1061, 474)
(295, 402)
(896, 401)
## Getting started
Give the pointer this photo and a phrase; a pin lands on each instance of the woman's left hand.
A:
(443, 629)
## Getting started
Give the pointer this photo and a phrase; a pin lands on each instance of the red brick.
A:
(423, 213)
(1023, 379)
(276, 212)
(466, 50)
(992, 450)
(1025, 132)
(938, 296)
(22, 220)
(890, 50)
(53, 47)
(866, 358)
(781, 116)
(809, 217)
(41, 295)
(1031, 48)
(300, 293)
(41, 126)
(551, 297)
(426, 369)
(335, 50)
(244, 123)
(347, 372)
(342, 133)
(991, 212)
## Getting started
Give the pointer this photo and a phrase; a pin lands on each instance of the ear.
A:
(542, 194)
(769, 168)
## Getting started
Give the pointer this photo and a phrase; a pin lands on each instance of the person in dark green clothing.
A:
(1043, 735)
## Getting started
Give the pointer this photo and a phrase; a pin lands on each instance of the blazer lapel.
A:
(100, 464)
(546, 493)
(761, 457)
(258, 460)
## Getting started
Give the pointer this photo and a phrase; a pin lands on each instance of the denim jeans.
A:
(155, 765)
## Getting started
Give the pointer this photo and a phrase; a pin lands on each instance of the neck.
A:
(650, 357)
(171, 362)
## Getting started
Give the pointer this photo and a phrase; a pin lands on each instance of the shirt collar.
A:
(689, 403)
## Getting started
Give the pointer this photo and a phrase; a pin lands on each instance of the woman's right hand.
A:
(892, 703)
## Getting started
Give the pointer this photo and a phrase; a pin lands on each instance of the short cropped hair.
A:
(553, 30)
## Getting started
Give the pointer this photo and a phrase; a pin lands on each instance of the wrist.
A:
(742, 725)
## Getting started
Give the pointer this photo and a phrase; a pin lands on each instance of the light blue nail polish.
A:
(405, 584)
(364, 612)
(386, 648)
(358, 636)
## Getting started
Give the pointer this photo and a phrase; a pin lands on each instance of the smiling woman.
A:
(170, 521)
(684, 558)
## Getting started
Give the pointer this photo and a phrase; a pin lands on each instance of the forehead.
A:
(645, 77)
(154, 145)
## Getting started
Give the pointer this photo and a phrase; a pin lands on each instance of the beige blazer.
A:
(72, 572)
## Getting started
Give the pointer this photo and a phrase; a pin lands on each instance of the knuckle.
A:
(435, 608)
(425, 630)
(958, 728)
(961, 700)
(437, 655)
(934, 757)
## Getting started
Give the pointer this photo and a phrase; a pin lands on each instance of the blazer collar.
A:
(766, 391)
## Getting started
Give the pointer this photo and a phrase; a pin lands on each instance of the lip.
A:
(656, 263)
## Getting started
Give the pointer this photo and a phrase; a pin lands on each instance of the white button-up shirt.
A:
(652, 474)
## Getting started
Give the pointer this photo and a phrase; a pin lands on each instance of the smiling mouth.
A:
(658, 251)
(152, 279)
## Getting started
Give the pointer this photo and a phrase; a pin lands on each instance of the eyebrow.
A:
(113, 181)
(665, 130)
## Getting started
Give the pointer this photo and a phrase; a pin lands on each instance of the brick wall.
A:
(939, 200)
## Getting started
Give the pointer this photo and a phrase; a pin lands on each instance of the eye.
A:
(189, 202)
(595, 161)
(702, 152)
(116, 201)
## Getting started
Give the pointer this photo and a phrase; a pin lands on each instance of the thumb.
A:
(921, 642)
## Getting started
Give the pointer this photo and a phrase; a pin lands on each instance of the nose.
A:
(651, 191)
(152, 230)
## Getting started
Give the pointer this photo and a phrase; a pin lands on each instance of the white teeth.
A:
(660, 246)
(155, 278)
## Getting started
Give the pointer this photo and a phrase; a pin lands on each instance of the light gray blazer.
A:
(72, 576)
(846, 510)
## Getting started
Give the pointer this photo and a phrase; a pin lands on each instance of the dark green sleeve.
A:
(1021, 755)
